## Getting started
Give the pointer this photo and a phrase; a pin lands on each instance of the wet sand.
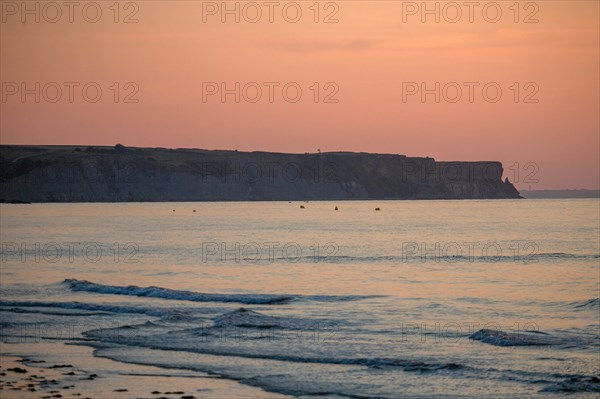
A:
(55, 370)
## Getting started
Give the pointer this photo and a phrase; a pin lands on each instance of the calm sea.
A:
(417, 299)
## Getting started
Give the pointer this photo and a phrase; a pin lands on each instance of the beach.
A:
(72, 371)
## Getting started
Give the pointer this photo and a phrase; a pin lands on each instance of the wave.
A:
(590, 304)
(188, 340)
(53, 313)
(156, 312)
(575, 384)
(302, 380)
(376, 362)
(502, 338)
(287, 379)
(434, 256)
(180, 295)
(246, 318)
(593, 304)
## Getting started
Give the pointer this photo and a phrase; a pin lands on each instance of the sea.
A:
(348, 299)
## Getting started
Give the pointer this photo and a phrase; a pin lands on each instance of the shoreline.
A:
(49, 370)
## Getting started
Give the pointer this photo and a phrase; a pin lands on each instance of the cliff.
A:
(119, 174)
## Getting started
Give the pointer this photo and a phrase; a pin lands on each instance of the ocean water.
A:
(419, 299)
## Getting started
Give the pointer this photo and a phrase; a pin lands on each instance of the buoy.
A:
(377, 209)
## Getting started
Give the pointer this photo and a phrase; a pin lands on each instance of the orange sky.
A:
(368, 54)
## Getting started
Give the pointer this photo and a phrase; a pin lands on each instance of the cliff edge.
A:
(122, 174)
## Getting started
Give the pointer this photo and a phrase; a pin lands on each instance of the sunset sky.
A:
(369, 55)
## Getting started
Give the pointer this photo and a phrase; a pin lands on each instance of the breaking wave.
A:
(180, 295)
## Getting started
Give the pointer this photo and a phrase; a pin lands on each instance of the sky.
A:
(451, 80)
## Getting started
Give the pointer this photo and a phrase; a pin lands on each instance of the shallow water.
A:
(421, 298)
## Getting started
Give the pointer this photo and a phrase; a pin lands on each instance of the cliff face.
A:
(116, 174)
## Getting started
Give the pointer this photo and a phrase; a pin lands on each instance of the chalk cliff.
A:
(118, 174)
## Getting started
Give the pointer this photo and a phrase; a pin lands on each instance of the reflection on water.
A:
(435, 297)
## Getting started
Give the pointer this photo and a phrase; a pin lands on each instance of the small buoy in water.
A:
(301, 206)
(336, 208)
(377, 209)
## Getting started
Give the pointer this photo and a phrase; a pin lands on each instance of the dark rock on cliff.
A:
(117, 174)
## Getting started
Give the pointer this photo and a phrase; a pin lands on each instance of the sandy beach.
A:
(56, 370)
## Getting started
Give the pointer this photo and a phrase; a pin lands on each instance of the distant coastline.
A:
(560, 194)
(128, 174)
